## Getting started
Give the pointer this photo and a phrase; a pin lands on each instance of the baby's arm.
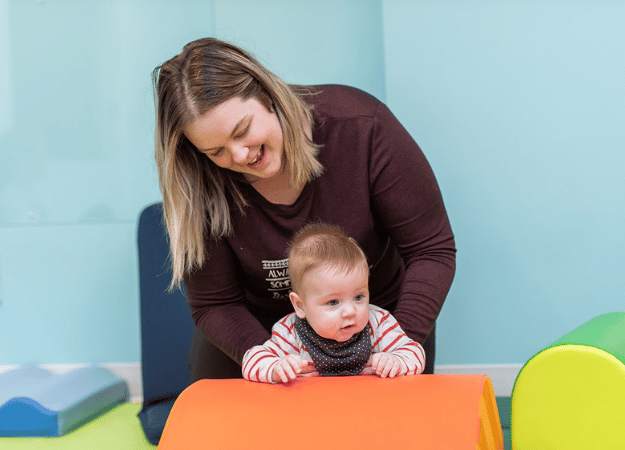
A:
(394, 353)
(277, 360)
(258, 363)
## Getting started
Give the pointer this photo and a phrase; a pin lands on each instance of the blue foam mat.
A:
(36, 402)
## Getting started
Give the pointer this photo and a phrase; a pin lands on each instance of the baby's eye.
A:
(359, 297)
(332, 303)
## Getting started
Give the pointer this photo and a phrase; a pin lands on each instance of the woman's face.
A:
(242, 136)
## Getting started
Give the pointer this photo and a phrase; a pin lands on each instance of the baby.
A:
(334, 330)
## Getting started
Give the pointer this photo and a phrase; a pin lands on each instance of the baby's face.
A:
(335, 303)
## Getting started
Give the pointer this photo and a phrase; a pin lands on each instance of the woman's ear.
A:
(298, 305)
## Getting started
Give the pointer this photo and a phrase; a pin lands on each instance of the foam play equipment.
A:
(37, 402)
(452, 412)
(117, 429)
(166, 326)
(571, 395)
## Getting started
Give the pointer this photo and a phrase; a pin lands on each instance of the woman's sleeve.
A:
(407, 199)
(216, 298)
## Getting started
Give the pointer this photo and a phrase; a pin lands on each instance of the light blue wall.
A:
(518, 105)
(76, 167)
(310, 42)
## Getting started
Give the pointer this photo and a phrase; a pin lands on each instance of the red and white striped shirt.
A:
(386, 336)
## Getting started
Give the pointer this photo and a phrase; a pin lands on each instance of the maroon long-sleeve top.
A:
(378, 186)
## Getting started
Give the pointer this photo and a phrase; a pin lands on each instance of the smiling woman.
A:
(243, 136)
(199, 81)
(246, 160)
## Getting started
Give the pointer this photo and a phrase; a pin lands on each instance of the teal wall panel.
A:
(70, 294)
(520, 107)
(76, 138)
(76, 168)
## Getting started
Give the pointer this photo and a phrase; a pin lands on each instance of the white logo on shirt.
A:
(278, 278)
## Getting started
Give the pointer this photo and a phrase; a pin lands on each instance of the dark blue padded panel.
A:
(166, 326)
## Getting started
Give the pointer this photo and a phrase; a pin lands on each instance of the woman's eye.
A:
(242, 133)
(216, 153)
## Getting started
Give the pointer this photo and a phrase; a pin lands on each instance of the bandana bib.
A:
(332, 358)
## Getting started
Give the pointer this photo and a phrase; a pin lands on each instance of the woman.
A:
(245, 160)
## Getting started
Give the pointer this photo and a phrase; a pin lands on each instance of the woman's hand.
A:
(288, 368)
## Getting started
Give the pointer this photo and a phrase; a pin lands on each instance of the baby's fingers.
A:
(307, 367)
(396, 368)
(292, 367)
(376, 360)
(299, 364)
(279, 375)
(385, 367)
(289, 368)
(283, 372)
(388, 366)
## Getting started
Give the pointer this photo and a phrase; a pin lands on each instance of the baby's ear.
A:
(298, 305)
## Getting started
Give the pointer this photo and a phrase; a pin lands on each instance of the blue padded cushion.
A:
(36, 402)
(166, 326)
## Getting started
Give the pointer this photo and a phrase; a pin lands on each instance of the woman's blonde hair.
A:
(198, 196)
(318, 244)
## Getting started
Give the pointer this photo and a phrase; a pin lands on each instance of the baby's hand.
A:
(287, 368)
(385, 364)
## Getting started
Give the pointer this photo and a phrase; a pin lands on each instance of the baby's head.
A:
(329, 281)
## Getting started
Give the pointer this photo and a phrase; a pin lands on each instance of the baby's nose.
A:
(349, 310)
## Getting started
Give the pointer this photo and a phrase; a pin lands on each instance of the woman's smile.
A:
(258, 159)
(232, 131)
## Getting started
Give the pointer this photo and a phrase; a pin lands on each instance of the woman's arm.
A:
(407, 199)
(216, 297)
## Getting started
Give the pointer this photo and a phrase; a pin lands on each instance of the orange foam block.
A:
(363, 412)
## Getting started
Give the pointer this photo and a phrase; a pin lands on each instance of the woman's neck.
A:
(278, 190)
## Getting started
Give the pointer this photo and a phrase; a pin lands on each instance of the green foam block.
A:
(571, 394)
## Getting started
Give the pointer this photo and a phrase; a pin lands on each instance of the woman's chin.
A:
(251, 178)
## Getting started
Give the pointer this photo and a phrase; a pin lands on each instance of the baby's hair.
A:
(319, 244)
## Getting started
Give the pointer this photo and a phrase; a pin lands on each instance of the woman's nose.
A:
(239, 154)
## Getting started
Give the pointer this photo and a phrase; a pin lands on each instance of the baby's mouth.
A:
(259, 156)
